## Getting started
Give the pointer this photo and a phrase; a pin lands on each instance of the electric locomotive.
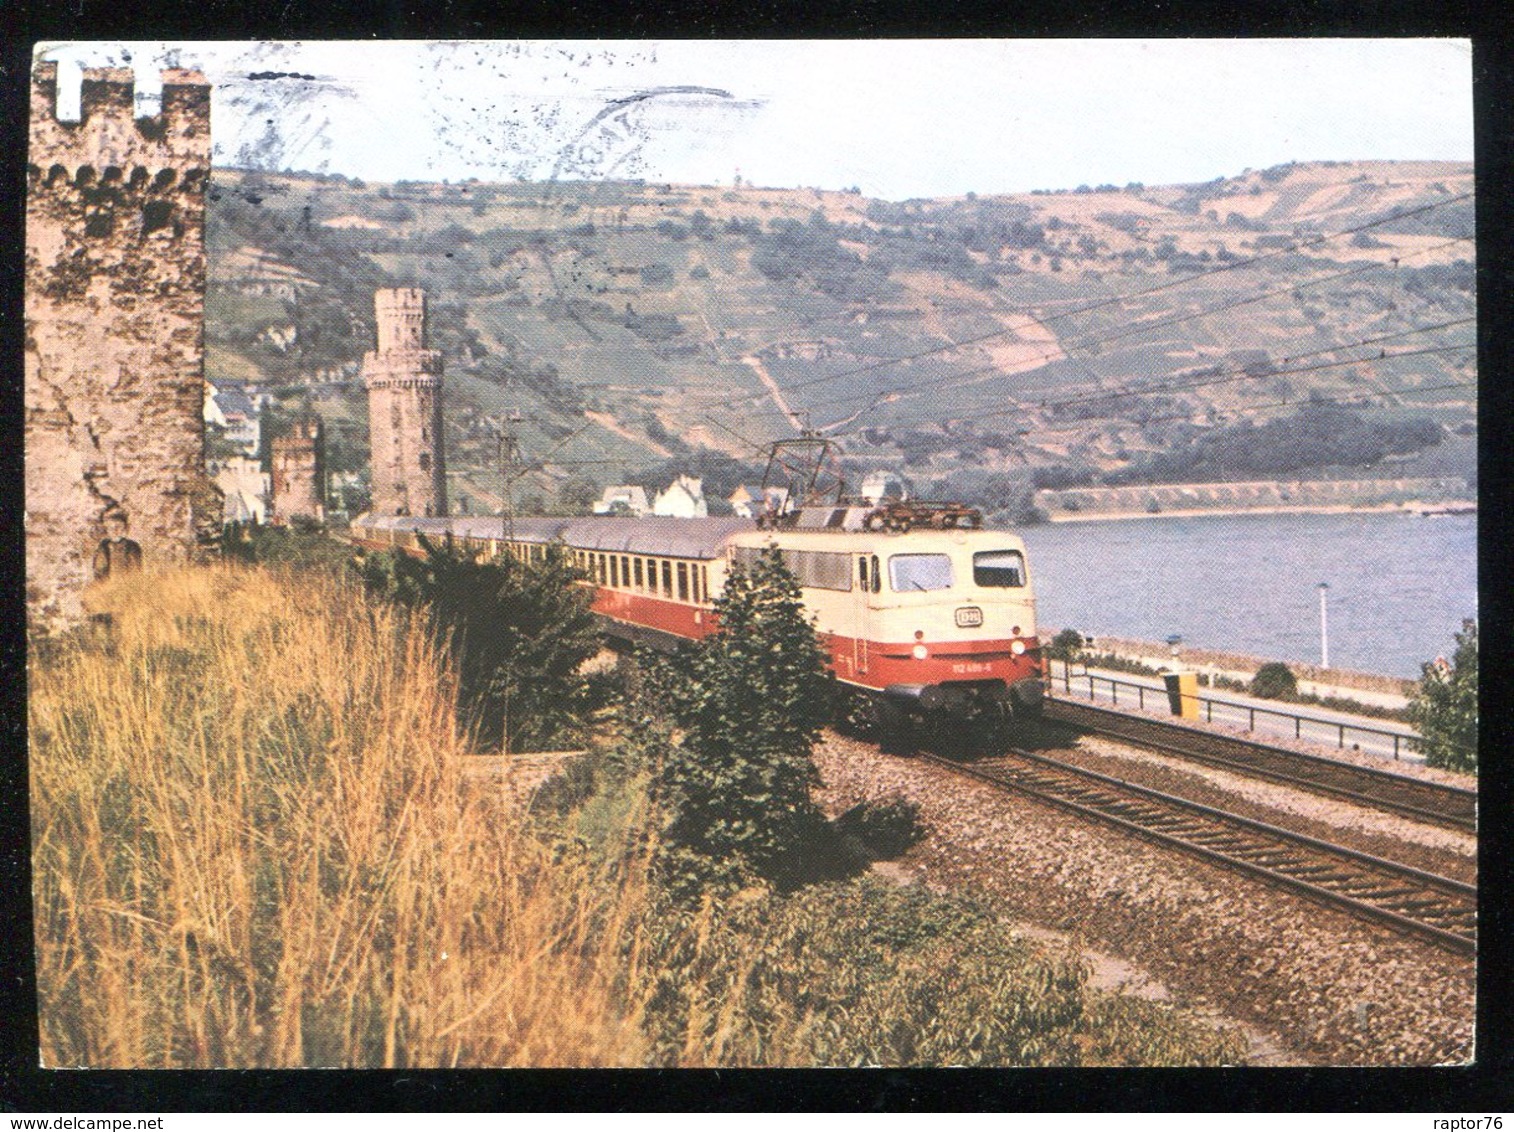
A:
(923, 614)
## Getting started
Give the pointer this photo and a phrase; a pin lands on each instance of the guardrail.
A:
(1232, 709)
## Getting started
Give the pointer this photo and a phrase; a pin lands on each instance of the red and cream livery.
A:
(919, 622)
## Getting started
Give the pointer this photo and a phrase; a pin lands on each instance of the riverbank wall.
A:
(1259, 497)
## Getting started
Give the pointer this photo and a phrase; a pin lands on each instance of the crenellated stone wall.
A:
(114, 365)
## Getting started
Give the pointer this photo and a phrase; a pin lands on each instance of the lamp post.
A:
(1324, 627)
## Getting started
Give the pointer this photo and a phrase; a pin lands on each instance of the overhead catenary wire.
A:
(1314, 398)
(1271, 375)
(1175, 383)
(1364, 399)
(1088, 342)
(1091, 342)
(1187, 278)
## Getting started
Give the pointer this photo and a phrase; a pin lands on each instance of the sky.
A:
(894, 118)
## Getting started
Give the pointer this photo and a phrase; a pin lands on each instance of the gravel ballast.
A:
(1312, 984)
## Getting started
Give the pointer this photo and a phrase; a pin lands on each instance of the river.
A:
(1399, 584)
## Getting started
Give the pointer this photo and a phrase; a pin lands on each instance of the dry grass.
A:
(253, 846)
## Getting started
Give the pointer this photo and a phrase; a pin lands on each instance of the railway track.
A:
(1408, 900)
(1450, 806)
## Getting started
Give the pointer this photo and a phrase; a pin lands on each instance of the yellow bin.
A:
(1183, 693)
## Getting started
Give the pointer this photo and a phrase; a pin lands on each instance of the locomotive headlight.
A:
(919, 652)
(1017, 647)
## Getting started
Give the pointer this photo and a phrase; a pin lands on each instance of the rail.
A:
(1407, 899)
(1230, 710)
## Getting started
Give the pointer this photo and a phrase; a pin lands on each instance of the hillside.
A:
(627, 324)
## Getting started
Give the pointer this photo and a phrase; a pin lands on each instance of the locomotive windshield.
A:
(999, 568)
(910, 572)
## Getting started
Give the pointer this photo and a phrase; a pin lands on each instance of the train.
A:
(923, 614)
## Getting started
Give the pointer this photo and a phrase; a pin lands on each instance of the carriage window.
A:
(625, 570)
(909, 572)
(817, 569)
(862, 573)
(877, 575)
(999, 568)
(683, 581)
(640, 577)
(614, 570)
(704, 583)
(667, 578)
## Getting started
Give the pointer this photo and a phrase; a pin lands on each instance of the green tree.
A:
(1066, 645)
(1275, 681)
(755, 696)
(519, 634)
(1444, 706)
(578, 495)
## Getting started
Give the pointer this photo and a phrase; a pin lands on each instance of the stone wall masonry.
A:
(298, 470)
(404, 380)
(114, 361)
(1260, 494)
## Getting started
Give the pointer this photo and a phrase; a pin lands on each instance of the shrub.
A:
(1444, 706)
(1275, 681)
(299, 547)
(885, 829)
(657, 275)
(518, 633)
(867, 974)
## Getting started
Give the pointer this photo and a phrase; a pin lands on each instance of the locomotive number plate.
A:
(969, 617)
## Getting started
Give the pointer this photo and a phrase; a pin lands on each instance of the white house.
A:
(246, 489)
(623, 499)
(879, 486)
(684, 499)
(238, 415)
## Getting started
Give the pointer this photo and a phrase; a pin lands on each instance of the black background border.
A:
(1487, 1086)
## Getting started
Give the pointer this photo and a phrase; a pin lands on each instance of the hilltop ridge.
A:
(633, 324)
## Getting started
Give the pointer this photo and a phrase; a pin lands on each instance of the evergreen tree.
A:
(756, 695)
(1444, 706)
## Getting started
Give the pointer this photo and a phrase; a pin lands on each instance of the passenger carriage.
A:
(918, 623)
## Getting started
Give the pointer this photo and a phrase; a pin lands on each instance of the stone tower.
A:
(298, 471)
(115, 285)
(404, 382)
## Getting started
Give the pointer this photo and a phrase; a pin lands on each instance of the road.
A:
(1384, 738)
